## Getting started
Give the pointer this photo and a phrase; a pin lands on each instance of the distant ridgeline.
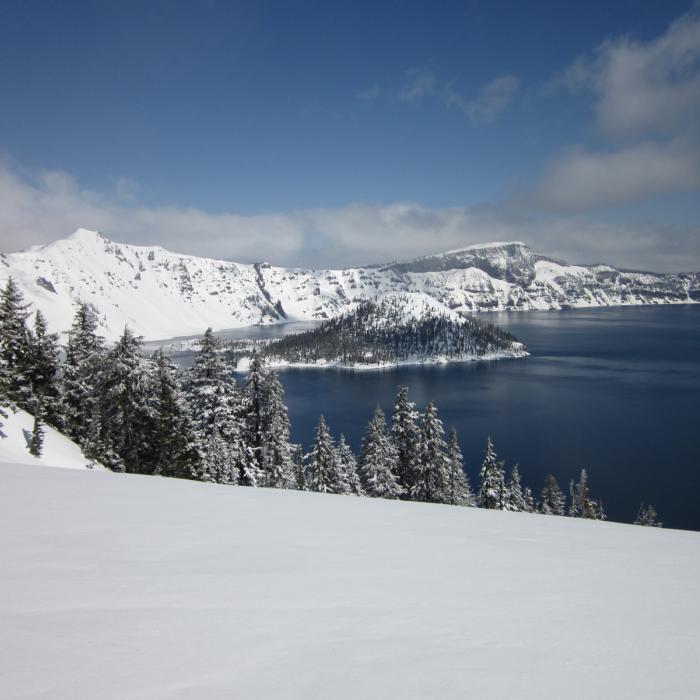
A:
(394, 329)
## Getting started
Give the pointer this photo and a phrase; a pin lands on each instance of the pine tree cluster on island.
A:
(380, 332)
(143, 415)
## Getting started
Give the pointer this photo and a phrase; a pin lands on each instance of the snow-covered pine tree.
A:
(299, 469)
(515, 500)
(36, 445)
(405, 434)
(378, 460)
(529, 500)
(43, 369)
(272, 448)
(173, 449)
(552, 498)
(648, 517)
(492, 489)
(214, 403)
(433, 477)
(127, 411)
(460, 491)
(325, 474)
(348, 464)
(83, 365)
(217, 464)
(15, 359)
(254, 406)
(582, 505)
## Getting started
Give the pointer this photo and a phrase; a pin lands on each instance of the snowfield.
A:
(121, 586)
(58, 451)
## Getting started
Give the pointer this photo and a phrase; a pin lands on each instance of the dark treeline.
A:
(380, 332)
(143, 415)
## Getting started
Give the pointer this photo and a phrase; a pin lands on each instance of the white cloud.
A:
(493, 99)
(581, 179)
(49, 205)
(419, 83)
(645, 88)
(52, 205)
(647, 103)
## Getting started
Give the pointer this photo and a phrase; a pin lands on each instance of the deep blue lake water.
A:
(616, 391)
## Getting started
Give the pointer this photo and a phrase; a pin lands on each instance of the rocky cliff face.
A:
(162, 294)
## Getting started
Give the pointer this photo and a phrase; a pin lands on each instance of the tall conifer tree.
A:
(492, 490)
(552, 498)
(405, 434)
(15, 357)
(460, 491)
(434, 475)
(325, 472)
(378, 460)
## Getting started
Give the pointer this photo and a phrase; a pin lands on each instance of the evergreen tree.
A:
(128, 417)
(217, 464)
(515, 499)
(83, 366)
(37, 443)
(582, 505)
(552, 498)
(325, 473)
(255, 398)
(492, 490)
(43, 369)
(15, 359)
(529, 500)
(434, 471)
(273, 450)
(378, 460)
(460, 491)
(348, 465)
(405, 434)
(648, 517)
(173, 449)
(215, 404)
(298, 461)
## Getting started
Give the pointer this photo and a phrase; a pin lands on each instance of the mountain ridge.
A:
(161, 294)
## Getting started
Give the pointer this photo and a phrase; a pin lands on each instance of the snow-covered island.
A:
(393, 330)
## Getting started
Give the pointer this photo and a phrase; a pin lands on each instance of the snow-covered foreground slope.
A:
(58, 450)
(162, 294)
(119, 586)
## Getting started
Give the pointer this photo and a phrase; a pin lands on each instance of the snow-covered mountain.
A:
(162, 294)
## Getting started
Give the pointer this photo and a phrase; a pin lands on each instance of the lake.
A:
(614, 390)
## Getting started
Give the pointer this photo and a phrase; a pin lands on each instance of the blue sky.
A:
(331, 133)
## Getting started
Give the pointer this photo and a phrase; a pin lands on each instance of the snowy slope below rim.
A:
(58, 450)
(160, 294)
(124, 586)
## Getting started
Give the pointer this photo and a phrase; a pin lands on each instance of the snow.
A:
(58, 450)
(482, 246)
(121, 586)
(161, 294)
(276, 363)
